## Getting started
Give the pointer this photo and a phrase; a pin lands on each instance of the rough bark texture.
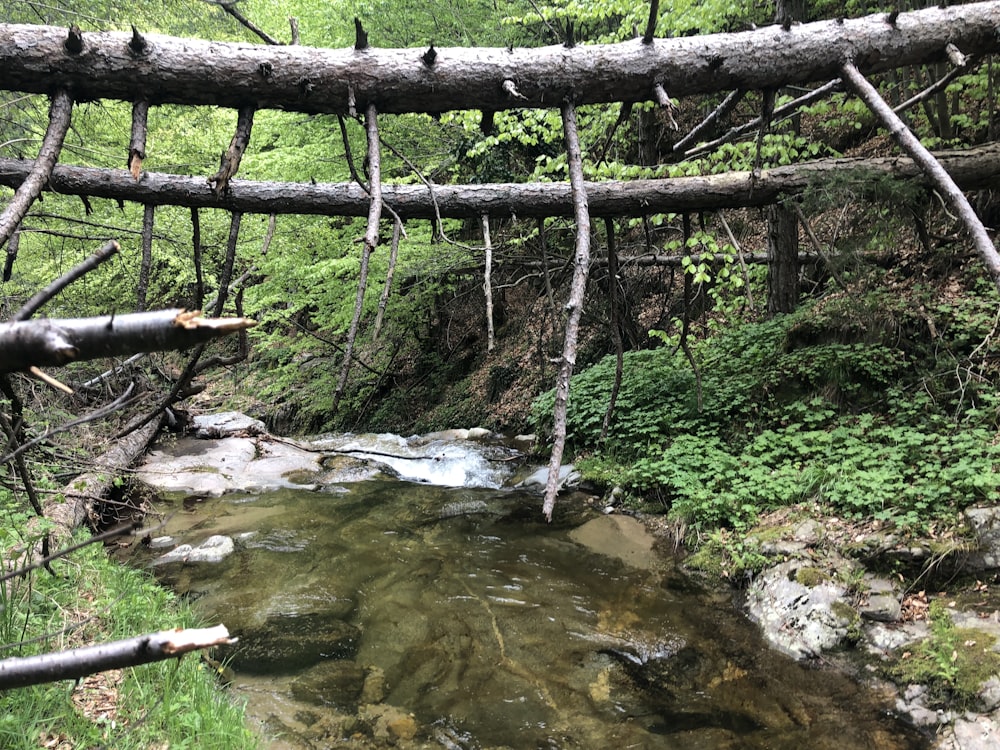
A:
(972, 169)
(783, 259)
(71, 665)
(53, 342)
(190, 71)
(74, 508)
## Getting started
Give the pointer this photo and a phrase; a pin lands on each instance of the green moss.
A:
(811, 576)
(953, 662)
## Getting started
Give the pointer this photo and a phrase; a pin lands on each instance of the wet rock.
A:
(374, 690)
(286, 643)
(331, 682)
(465, 508)
(227, 424)
(569, 477)
(215, 549)
(971, 732)
(985, 526)
(390, 723)
(211, 468)
(799, 620)
(161, 542)
(881, 608)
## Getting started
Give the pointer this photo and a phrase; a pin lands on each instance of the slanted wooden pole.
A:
(941, 179)
(574, 306)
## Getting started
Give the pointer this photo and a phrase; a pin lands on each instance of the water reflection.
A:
(493, 629)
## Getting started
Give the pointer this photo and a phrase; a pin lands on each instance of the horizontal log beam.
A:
(162, 69)
(972, 169)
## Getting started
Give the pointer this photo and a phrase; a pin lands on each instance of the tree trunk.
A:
(783, 259)
(972, 169)
(200, 72)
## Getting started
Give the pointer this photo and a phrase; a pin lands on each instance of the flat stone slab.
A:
(235, 464)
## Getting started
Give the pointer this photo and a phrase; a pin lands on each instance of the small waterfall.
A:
(441, 462)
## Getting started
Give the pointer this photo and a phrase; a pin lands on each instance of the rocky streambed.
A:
(404, 592)
(876, 603)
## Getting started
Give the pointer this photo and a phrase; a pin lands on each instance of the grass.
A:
(173, 704)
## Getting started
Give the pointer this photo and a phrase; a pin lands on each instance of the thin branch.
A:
(146, 263)
(819, 247)
(911, 145)
(779, 112)
(397, 228)
(119, 403)
(728, 105)
(654, 15)
(68, 665)
(229, 6)
(368, 246)
(40, 298)
(487, 285)
(227, 267)
(117, 531)
(742, 260)
(616, 331)
(60, 114)
(581, 269)
(935, 87)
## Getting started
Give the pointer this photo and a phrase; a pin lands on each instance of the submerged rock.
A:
(215, 549)
(285, 643)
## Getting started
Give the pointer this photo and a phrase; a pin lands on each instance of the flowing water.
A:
(390, 612)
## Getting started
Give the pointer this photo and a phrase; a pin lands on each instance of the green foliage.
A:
(811, 406)
(175, 703)
(953, 662)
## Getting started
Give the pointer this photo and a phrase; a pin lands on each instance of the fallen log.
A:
(972, 169)
(130, 67)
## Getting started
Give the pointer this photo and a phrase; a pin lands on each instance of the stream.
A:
(425, 603)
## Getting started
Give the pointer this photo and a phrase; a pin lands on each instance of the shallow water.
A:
(493, 629)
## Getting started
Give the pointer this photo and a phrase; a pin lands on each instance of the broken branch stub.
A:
(53, 342)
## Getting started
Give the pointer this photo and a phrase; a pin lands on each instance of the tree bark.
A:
(972, 169)
(574, 305)
(52, 342)
(783, 259)
(488, 283)
(191, 71)
(23, 671)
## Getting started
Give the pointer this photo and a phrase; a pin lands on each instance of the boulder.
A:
(227, 424)
(799, 620)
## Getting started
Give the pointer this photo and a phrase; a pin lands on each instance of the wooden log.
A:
(106, 65)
